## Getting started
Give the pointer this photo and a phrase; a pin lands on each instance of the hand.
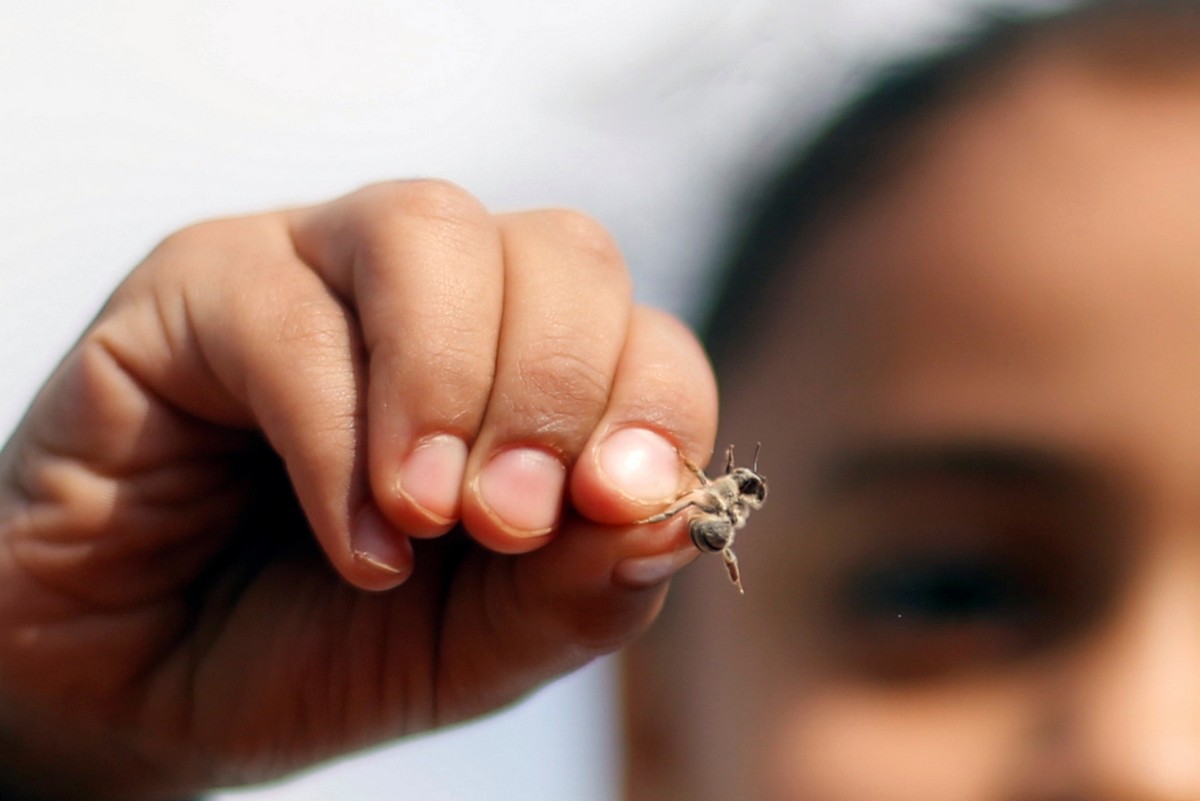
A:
(318, 478)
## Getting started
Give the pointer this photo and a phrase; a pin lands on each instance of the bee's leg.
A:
(729, 459)
(661, 516)
(731, 564)
(696, 471)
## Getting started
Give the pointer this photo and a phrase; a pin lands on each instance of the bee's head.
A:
(750, 484)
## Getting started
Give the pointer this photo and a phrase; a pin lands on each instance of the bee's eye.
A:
(750, 483)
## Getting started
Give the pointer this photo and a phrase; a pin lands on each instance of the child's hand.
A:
(274, 415)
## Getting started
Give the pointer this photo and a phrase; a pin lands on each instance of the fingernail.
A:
(378, 544)
(522, 488)
(640, 464)
(646, 571)
(431, 476)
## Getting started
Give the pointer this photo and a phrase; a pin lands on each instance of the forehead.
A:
(1056, 176)
(1042, 245)
(1052, 147)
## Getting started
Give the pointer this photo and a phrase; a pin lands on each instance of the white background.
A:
(123, 120)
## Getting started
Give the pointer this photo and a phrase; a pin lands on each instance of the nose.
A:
(1128, 710)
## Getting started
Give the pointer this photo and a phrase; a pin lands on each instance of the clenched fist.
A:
(318, 478)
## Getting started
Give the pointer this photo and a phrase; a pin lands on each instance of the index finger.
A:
(662, 410)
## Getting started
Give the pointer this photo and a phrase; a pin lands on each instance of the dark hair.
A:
(866, 141)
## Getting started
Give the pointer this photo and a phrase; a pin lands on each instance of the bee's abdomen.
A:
(710, 535)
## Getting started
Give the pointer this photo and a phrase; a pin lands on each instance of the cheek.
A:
(851, 743)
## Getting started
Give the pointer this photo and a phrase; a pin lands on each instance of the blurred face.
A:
(978, 572)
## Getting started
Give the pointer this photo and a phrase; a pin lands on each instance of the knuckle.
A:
(587, 238)
(561, 381)
(192, 240)
(430, 199)
(231, 247)
(313, 327)
(448, 375)
(461, 371)
(426, 217)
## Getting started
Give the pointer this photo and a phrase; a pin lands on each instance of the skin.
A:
(992, 362)
(220, 559)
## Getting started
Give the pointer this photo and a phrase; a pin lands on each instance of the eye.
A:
(925, 614)
(938, 590)
(751, 484)
(940, 559)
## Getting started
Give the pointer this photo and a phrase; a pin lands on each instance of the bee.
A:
(722, 504)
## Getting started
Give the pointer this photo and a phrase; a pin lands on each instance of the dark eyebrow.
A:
(994, 461)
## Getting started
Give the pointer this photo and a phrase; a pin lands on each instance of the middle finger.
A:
(567, 302)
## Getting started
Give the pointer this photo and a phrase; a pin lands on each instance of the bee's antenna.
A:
(756, 448)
